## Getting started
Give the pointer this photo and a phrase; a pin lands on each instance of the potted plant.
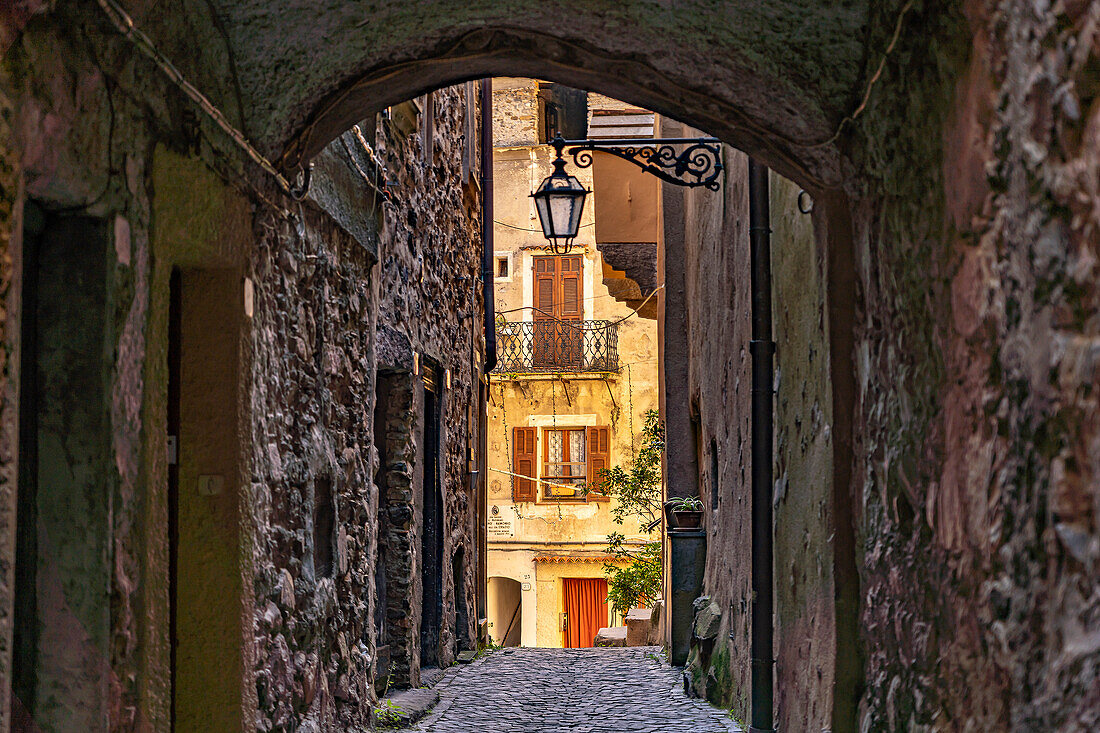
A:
(686, 512)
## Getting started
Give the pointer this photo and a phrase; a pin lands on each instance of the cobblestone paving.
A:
(575, 690)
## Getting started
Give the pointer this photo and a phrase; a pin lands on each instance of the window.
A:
(563, 456)
(571, 459)
(502, 267)
(562, 109)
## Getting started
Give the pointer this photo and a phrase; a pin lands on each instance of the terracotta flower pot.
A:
(687, 519)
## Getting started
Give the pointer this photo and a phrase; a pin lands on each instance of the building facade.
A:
(576, 369)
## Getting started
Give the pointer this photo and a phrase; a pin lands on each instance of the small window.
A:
(324, 524)
(502, 267)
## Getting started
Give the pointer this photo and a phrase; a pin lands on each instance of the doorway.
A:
(383, 387)
(204, 453)
(63, 550)
(505, 603)
(431, 538)
(585, 606)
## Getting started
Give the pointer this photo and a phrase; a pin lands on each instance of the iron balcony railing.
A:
(524, 347)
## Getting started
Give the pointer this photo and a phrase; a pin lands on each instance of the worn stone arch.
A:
(773, 80)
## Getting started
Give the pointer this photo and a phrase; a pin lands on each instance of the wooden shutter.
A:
(545, 287)
(598, 445)
(571, 287)
(524, 454)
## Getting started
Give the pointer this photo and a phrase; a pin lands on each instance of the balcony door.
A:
(558, 312)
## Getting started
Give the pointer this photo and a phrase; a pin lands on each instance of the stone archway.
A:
(940, 364)
(775, 81)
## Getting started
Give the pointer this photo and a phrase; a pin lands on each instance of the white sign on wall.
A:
(500, 524)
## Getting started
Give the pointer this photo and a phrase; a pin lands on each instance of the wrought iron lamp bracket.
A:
(694, 162)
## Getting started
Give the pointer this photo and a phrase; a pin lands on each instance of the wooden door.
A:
(558, 312)
(585, 611)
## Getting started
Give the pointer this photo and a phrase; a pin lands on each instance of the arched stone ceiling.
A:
(765, 75)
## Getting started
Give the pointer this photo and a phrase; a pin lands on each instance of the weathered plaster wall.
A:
(716, 257)
(805, 526)
(716, 307)
(569, 401)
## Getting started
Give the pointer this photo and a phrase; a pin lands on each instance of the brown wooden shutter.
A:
(545, 287)
(599, 456)
(525, 454)
(571, 288)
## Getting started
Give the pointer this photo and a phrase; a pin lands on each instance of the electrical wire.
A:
(572, 324)
(124, 24)
(867, 91)
(536, 231)
(535, 479)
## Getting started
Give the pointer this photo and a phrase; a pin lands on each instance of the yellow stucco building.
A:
(576, 369)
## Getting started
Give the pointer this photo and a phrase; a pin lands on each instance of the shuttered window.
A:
(525, 453)
(559, 292)
(569, 273)
(599, 459)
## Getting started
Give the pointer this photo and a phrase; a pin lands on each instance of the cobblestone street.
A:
(526, 690)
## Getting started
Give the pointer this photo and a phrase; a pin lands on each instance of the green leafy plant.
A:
(636, 492)
(388, 714)
(686, 504)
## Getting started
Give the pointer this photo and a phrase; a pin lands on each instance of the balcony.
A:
(524, 347)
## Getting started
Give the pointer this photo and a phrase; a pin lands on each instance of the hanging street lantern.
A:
(560, 202)
(693, 162)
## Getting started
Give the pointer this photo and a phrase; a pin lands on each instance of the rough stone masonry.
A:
(956, 216)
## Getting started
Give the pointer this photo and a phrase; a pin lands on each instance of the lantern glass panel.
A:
(560, 202)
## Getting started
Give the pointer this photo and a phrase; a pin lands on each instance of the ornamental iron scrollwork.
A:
(692, 162)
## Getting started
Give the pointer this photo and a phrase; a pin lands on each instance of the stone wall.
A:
(961, 395)
(430, 301)
(976, 476)
(312, 294)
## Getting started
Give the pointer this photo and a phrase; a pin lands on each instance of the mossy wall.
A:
(970, 182)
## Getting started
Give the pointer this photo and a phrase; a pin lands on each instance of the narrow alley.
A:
(557, 365)
(531, 690)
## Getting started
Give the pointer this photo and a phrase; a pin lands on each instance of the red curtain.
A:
(586, 606)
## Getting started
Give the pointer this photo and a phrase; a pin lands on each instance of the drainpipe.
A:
(487, 223)
(762, 349)
(490, 347)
